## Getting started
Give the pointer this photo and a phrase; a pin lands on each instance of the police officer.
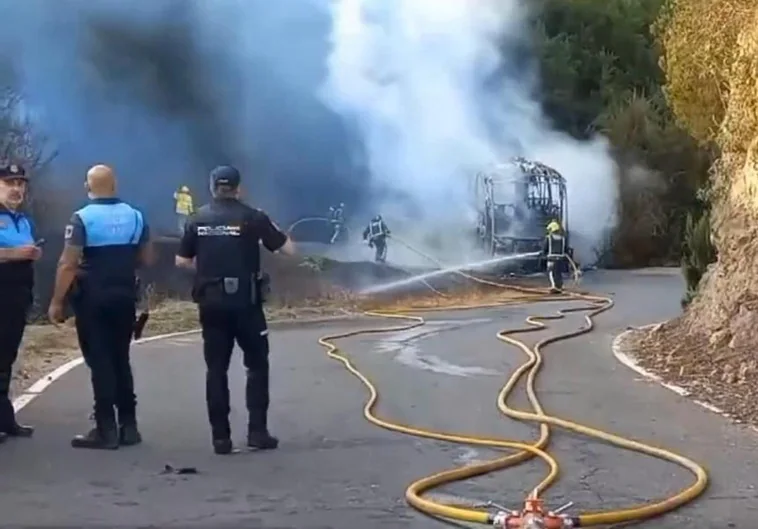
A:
(17, 255)
(554, 251)
(222, 244)
(106, 241)
(377, 232)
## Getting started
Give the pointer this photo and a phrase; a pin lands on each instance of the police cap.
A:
(11, 170)
(225, 175)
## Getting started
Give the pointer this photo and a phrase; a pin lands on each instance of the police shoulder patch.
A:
(69, 232)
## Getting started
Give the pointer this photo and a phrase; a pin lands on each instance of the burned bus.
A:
(514, 202)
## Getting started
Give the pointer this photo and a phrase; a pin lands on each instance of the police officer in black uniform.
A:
(17, 255)
(106, 241)
(221, 243)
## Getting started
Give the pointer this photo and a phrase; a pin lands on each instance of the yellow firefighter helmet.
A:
(184, 189)
(553, 226)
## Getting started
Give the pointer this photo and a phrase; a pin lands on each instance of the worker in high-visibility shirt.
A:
(184, 207)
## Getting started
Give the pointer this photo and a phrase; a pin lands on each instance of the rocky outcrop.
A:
(711, 63)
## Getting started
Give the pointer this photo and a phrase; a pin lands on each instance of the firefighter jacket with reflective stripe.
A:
(555, 246)
(377, 229)
(183, 203)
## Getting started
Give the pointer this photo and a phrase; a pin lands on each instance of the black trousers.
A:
(380, 245)
(221, 328)
(13, 311)
(555, 273)
(105, 334)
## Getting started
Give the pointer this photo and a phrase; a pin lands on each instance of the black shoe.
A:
(97, 439)
(261, 441)
(3, 437)
(223, 446)
(129, 435)
(18, 430)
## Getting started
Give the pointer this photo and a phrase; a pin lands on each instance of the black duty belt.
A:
(226, 290)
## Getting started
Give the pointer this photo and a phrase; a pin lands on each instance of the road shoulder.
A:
(625, 352)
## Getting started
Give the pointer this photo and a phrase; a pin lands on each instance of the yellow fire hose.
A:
(530, 368)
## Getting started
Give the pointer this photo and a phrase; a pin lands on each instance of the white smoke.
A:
(414, 76)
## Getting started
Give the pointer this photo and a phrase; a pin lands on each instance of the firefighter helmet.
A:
(184, 189)
(553, 226)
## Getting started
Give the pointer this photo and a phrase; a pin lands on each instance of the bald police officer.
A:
(106, 241)
(221, 243)
(17, 255)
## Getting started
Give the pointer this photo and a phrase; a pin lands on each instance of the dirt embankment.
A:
(711, 62)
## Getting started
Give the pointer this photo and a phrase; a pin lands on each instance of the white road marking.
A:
(403, 345)
(44, 383)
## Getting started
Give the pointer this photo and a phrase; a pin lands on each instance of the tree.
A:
(600, 72)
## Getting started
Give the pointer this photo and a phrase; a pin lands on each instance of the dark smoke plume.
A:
(167, 89)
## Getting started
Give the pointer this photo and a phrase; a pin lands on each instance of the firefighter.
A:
(555, 253)
(337, 219)
(376, 233)
(222, 245)
(184, 207)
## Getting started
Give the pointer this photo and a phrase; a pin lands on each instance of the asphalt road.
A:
(335, 470)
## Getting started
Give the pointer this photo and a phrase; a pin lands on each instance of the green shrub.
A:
(698, 252)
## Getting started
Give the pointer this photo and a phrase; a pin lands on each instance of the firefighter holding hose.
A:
(376, 233)
(554, 251)
(337, 220)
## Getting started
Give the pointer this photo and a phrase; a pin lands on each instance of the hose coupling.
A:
(515, 520)
(533, 517)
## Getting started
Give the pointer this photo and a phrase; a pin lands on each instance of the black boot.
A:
(261, 440)
(18, 430)
(258, 436)
(129, 434)
(223, 446)
(101, 437)
(3, 437)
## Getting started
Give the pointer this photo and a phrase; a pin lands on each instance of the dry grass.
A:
(464, 295)
(436, 301)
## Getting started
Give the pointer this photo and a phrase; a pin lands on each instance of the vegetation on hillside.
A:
(600, 73)
(710, 57)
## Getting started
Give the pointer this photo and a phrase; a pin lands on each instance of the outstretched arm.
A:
(274, 239)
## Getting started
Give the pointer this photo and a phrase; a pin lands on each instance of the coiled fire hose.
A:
(532, 515)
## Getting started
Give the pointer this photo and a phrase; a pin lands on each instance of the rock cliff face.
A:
(711, 62)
